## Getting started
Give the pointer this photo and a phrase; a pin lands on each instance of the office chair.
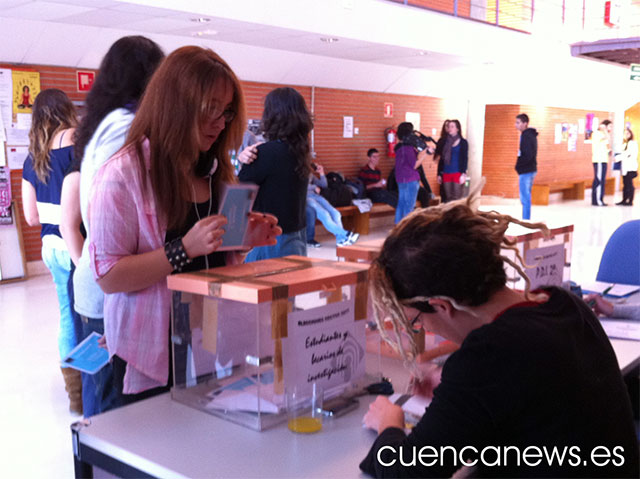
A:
(620, 261)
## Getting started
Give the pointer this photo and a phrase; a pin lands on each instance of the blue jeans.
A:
(407, 195)
(328, 216)
(98, 390)
(288, 244)
(526, 181)
(311, 223)
(59, 264)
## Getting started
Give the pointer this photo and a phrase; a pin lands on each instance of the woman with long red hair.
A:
(153, 209)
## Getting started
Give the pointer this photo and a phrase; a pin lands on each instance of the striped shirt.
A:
(124, 222)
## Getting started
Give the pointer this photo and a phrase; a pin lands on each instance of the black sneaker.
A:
(313, 244)
(353, 237)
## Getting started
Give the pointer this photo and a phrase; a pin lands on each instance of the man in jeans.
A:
(526, 165)
(325, 212)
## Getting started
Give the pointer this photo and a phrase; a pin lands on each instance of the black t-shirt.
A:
(204, 209)
(283, 193)
(538, 375)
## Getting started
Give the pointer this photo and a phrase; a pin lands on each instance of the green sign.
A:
(635, 71)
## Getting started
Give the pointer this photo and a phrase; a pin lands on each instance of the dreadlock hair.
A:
(447, 251)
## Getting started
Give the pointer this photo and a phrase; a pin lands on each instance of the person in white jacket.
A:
(629, 167)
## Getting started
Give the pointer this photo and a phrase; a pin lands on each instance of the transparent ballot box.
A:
(548, 260)
(242, 335)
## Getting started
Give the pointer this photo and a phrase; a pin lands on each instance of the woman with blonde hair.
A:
(153, 209)
(50, 155)
(533, 370)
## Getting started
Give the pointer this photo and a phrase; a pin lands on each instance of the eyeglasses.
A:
(416, 321)
(227, 114)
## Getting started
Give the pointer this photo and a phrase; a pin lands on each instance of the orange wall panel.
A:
(555, 162)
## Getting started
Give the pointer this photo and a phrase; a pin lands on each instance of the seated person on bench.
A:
(372, 178)
(325, 212)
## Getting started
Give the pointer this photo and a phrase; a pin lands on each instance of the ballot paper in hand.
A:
(235, 204)
(87, 356)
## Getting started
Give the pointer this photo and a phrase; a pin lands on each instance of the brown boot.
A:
(73, 386)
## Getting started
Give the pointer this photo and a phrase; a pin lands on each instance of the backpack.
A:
(337, 192)
(357, 188)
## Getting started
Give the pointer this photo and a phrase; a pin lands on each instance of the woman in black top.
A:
(534, 372)
(282, 171)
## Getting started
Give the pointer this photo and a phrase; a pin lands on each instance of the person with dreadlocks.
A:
(534, 369)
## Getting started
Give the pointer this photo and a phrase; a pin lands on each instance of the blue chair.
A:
(620, 261)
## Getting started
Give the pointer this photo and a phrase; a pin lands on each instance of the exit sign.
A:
(635, 71)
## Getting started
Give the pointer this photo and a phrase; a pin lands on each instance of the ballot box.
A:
(242, 335)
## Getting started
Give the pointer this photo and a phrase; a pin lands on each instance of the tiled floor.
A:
(34, 416)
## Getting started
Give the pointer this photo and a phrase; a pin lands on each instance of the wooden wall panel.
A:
(555, 162)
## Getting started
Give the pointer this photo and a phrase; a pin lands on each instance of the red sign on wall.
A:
(84, 80)
(388, 110)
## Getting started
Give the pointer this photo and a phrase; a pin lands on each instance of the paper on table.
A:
(87, 356)
(242, 395)
(621, 329)
(618, 290)
(414, 406)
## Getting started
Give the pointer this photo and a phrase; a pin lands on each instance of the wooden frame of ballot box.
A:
(242, 334)
(548, 258)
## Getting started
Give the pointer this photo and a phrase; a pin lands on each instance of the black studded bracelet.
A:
(176, 254)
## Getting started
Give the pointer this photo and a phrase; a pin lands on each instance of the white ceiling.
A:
(73, 15)
(382, 46)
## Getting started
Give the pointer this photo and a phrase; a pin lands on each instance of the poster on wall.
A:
(588, 127)
(573, 137)
(16, 156)
(26, 86)
(5, 197)
(565, 132)
(557, 136)
(5, 96)
(347, 127)
(413, 118)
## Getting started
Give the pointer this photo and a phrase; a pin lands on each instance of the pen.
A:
(592, 303)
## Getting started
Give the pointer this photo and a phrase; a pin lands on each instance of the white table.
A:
(627, 353)
(160, 437)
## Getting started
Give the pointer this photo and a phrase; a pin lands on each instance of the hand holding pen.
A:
(599, 304)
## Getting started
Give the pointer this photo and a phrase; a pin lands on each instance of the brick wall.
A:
(336, 153)
(555, 162)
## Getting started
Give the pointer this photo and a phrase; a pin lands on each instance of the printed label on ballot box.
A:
(324, 345)
(546, 266)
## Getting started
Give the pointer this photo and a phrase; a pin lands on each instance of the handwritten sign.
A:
(547, 265)
(324, 345)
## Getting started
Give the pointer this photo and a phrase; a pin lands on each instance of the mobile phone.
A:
(339, 406)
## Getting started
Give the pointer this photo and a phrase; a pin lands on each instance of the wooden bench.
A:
(571, 190)
(353, 220)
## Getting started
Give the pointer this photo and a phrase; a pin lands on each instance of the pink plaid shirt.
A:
(124, 222)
